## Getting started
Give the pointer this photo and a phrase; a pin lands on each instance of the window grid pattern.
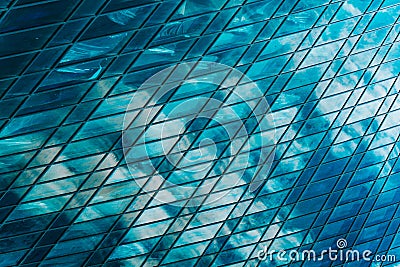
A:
(329, 70)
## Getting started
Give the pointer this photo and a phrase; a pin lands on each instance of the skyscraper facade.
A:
(199, 133)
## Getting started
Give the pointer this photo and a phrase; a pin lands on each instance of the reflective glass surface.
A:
(70, 78)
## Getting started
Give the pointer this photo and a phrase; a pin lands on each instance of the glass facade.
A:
(71, 85)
